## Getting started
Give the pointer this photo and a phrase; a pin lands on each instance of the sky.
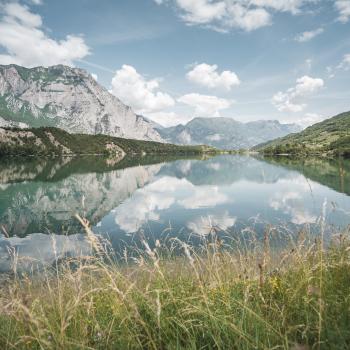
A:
(173, 60)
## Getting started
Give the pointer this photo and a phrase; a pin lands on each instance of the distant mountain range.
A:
(72, 100)
(330, 137)
(67, 98)
(226, 133)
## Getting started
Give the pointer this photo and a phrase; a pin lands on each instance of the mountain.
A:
(67, 98)
(226, 133)
(330, 137)
(50, 140)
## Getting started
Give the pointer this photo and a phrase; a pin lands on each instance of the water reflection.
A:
(39, 250)
(148, 196)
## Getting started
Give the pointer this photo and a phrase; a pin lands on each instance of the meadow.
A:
(237, 294)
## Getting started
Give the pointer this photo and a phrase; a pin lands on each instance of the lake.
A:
(160, 197)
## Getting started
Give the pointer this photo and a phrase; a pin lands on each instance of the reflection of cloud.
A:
(202, 197)
(146, 202)
(141, 208)
(214, 166)
(39, 250)
(185, 167)
(291, 203)
(203, 225)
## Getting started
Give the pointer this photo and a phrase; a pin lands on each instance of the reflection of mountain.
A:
(333, 173)
(39, 206)
(225, 170)
(43, 195)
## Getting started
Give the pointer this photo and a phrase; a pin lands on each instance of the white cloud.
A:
(141, 94)
(307, 36)
(245, 18)
(169, 118)
(205, 105)
(37, 2)
(292, 6)
(94, 76)
(206, 75)
(309, 119)
(224, 15)
(201, 11)
(25, 43)
(289, 101)
(345, 63)
(343, 7)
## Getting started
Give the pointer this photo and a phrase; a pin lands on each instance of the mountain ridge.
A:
(226, 133)
(329, 137)
(67, 98)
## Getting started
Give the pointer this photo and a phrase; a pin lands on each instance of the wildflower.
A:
(275, 283)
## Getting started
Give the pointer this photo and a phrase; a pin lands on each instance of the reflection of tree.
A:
(333, 173)
(341, 176)
(54, 169)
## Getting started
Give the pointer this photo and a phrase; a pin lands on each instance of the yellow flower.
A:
(275, 283)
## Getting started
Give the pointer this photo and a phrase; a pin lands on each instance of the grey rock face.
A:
(67, 98)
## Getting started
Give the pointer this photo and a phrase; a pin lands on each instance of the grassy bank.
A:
(246, 298)
(328, 138)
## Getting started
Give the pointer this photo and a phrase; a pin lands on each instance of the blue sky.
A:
(172, 60)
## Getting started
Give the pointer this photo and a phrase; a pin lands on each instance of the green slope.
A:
(46, 141)
(330, 137)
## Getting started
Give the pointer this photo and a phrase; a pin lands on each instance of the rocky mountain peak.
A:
(67, 98)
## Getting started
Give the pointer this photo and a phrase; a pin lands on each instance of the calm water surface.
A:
(155, 198)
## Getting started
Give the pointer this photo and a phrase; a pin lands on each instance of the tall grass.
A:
(242, 296)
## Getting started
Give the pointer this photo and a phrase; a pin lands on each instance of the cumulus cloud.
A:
(343, 7)
(289, 101)
(201, 11)
(245, 18)
(205, 105)
(25, 43)
(169, 118)
(207, 75)
(224, 15)
(138, 92)
(307, 36)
